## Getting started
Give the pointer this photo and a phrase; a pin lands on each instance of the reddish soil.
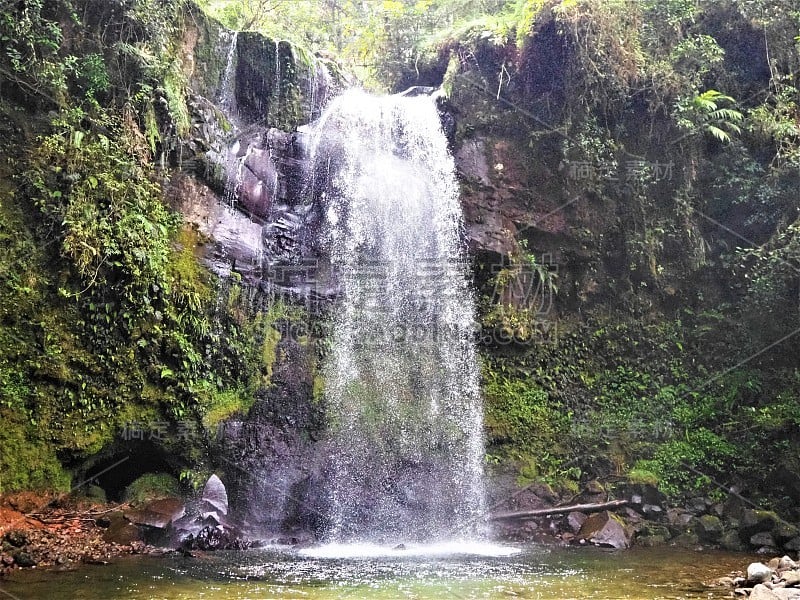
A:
(45, 531)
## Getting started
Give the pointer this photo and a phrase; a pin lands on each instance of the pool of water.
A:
(364, 571)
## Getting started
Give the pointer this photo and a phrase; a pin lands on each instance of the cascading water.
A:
(230, 160)
(227, 94)
(402, 386)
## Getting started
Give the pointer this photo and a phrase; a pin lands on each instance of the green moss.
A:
(269, 352)
(643, 477)
(526, 13)
(189, 278)
(453, 68)
(222, 405)
(318, 387)
(209, 58)
(151, 132)
(28, 462)
(151, 486)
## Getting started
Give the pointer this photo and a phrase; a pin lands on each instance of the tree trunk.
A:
(557, 510)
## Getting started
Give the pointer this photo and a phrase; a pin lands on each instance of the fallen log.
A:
(557, 510)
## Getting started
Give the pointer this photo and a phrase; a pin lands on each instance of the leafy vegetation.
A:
(650, 130)
(108, 317)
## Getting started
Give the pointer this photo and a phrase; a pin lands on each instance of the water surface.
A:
(533, 572)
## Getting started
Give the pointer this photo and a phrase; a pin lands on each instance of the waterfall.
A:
(227, 94)
(402, 386)
(276, 86)
(230, 160)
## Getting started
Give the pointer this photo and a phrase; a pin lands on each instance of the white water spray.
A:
(402, 385)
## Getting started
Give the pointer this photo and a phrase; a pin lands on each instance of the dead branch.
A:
(557, 510)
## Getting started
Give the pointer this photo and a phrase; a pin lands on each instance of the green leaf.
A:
(718, 133)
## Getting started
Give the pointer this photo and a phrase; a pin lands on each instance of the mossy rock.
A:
(757, 521)
(731, 541)
(783, 531)
(151, 486)
(95, 493)
(709, 528)
(651, 535)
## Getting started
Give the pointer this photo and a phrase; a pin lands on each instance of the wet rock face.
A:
(270, 456)
(257, 74)
(234, 241)
(271, 172)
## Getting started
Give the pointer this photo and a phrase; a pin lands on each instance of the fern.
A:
(704, 113)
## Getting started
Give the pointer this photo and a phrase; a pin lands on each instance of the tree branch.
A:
(557, 510)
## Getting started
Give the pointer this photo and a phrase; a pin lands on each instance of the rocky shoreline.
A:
(60, 532)
(778, 579)
(39, 531)
(645, 518)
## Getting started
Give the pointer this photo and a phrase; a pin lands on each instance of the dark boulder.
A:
(756, 521)
(211, 538)
(709, 529)
(605, 529)
(121, 531)
(575, 521)
(157, 513)
(23, 559)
